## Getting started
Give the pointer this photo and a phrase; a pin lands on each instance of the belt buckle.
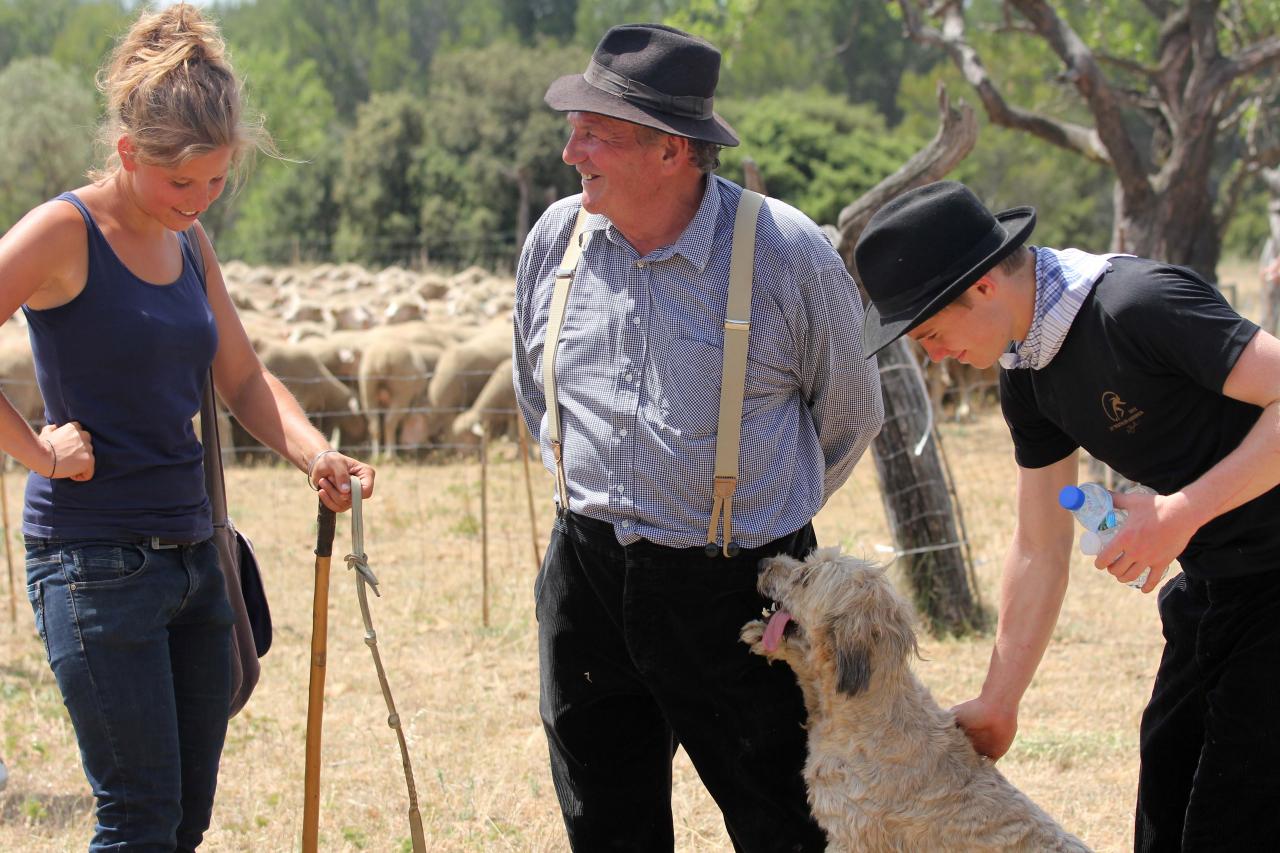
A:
(158, 544)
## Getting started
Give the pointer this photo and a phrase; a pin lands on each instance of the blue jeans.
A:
(139, 639)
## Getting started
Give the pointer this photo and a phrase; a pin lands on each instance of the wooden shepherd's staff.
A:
(326, 522)
(528, 491)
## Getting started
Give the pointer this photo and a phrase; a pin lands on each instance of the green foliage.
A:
(853, 47)
(29, 27)
(491, 134)
(46, 131)
(287, 211)
(359, 47)
(416, 128)
(814, 150)
(540, 18)
(87, 35)
(374, 190)
(594, 18)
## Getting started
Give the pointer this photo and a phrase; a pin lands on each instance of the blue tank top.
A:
(129, 360)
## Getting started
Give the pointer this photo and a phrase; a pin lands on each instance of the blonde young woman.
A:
(121, 571)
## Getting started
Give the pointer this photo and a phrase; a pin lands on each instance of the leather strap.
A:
(737, 335)
(550, 345)
(364, 575)
(214, 481)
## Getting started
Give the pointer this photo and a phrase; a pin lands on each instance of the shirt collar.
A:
(694, 244)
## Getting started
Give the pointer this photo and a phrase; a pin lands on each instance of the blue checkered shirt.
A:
(638, 372)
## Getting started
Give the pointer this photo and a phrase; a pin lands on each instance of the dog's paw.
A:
(753, 634)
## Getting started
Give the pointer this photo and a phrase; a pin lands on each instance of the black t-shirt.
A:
(1138, 383)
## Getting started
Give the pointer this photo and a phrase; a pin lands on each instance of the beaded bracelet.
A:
(311, 467)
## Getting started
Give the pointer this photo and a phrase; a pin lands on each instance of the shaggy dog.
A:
(887, 769)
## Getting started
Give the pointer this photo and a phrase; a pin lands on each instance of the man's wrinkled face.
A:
(618, 170)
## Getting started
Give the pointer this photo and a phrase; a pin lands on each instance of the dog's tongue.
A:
(773, 631)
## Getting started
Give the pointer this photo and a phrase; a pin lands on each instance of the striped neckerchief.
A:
(1064, 278)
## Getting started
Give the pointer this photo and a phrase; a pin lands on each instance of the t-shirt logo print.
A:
(1121, 414)
(1113, 406)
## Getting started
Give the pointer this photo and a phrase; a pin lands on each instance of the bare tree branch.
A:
(1102, 100)
(1129, 65)
(1170, 201)
(956, 136)
(1073, 137)
(1256, 57)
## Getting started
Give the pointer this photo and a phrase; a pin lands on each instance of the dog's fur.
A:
(888, 769)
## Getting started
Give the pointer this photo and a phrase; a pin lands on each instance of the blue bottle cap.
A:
(1071, 497)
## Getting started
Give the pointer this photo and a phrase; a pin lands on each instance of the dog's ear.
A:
(873, 630)
(853, 670)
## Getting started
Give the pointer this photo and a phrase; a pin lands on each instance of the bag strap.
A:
(551, 343)
(364, 575)
(214, 481)
(737, 334)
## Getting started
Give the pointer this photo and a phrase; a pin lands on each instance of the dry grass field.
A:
(468, 693)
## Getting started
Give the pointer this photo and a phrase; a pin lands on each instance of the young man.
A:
(638, 625)
(1146, 367)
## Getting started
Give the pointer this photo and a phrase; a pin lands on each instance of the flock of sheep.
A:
(389, 361)
(382, 361)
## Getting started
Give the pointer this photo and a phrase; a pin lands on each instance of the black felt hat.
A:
(652, 75)
(926, 247)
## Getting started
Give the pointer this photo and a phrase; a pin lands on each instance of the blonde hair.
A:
(170, 87)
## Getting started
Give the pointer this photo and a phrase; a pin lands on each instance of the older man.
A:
(638, 611)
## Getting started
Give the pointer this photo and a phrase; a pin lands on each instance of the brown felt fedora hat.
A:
(652, 75)
(923, 249)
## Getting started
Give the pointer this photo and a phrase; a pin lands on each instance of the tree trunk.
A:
(1177, 225)
(916, 496)
(752, 179)
(917, 501)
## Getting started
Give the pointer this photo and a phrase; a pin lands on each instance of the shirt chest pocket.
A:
(689, 402)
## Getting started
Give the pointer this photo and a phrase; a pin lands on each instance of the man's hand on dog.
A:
(990, 728)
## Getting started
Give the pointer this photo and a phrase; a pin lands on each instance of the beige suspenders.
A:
(737, 334)
(559, 298)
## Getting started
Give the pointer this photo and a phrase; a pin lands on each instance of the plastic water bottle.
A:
(1092, 506)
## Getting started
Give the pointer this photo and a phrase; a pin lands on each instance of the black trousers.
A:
(639, 653)
(1210, 777)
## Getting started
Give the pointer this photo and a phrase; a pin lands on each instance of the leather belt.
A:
(161, 543)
